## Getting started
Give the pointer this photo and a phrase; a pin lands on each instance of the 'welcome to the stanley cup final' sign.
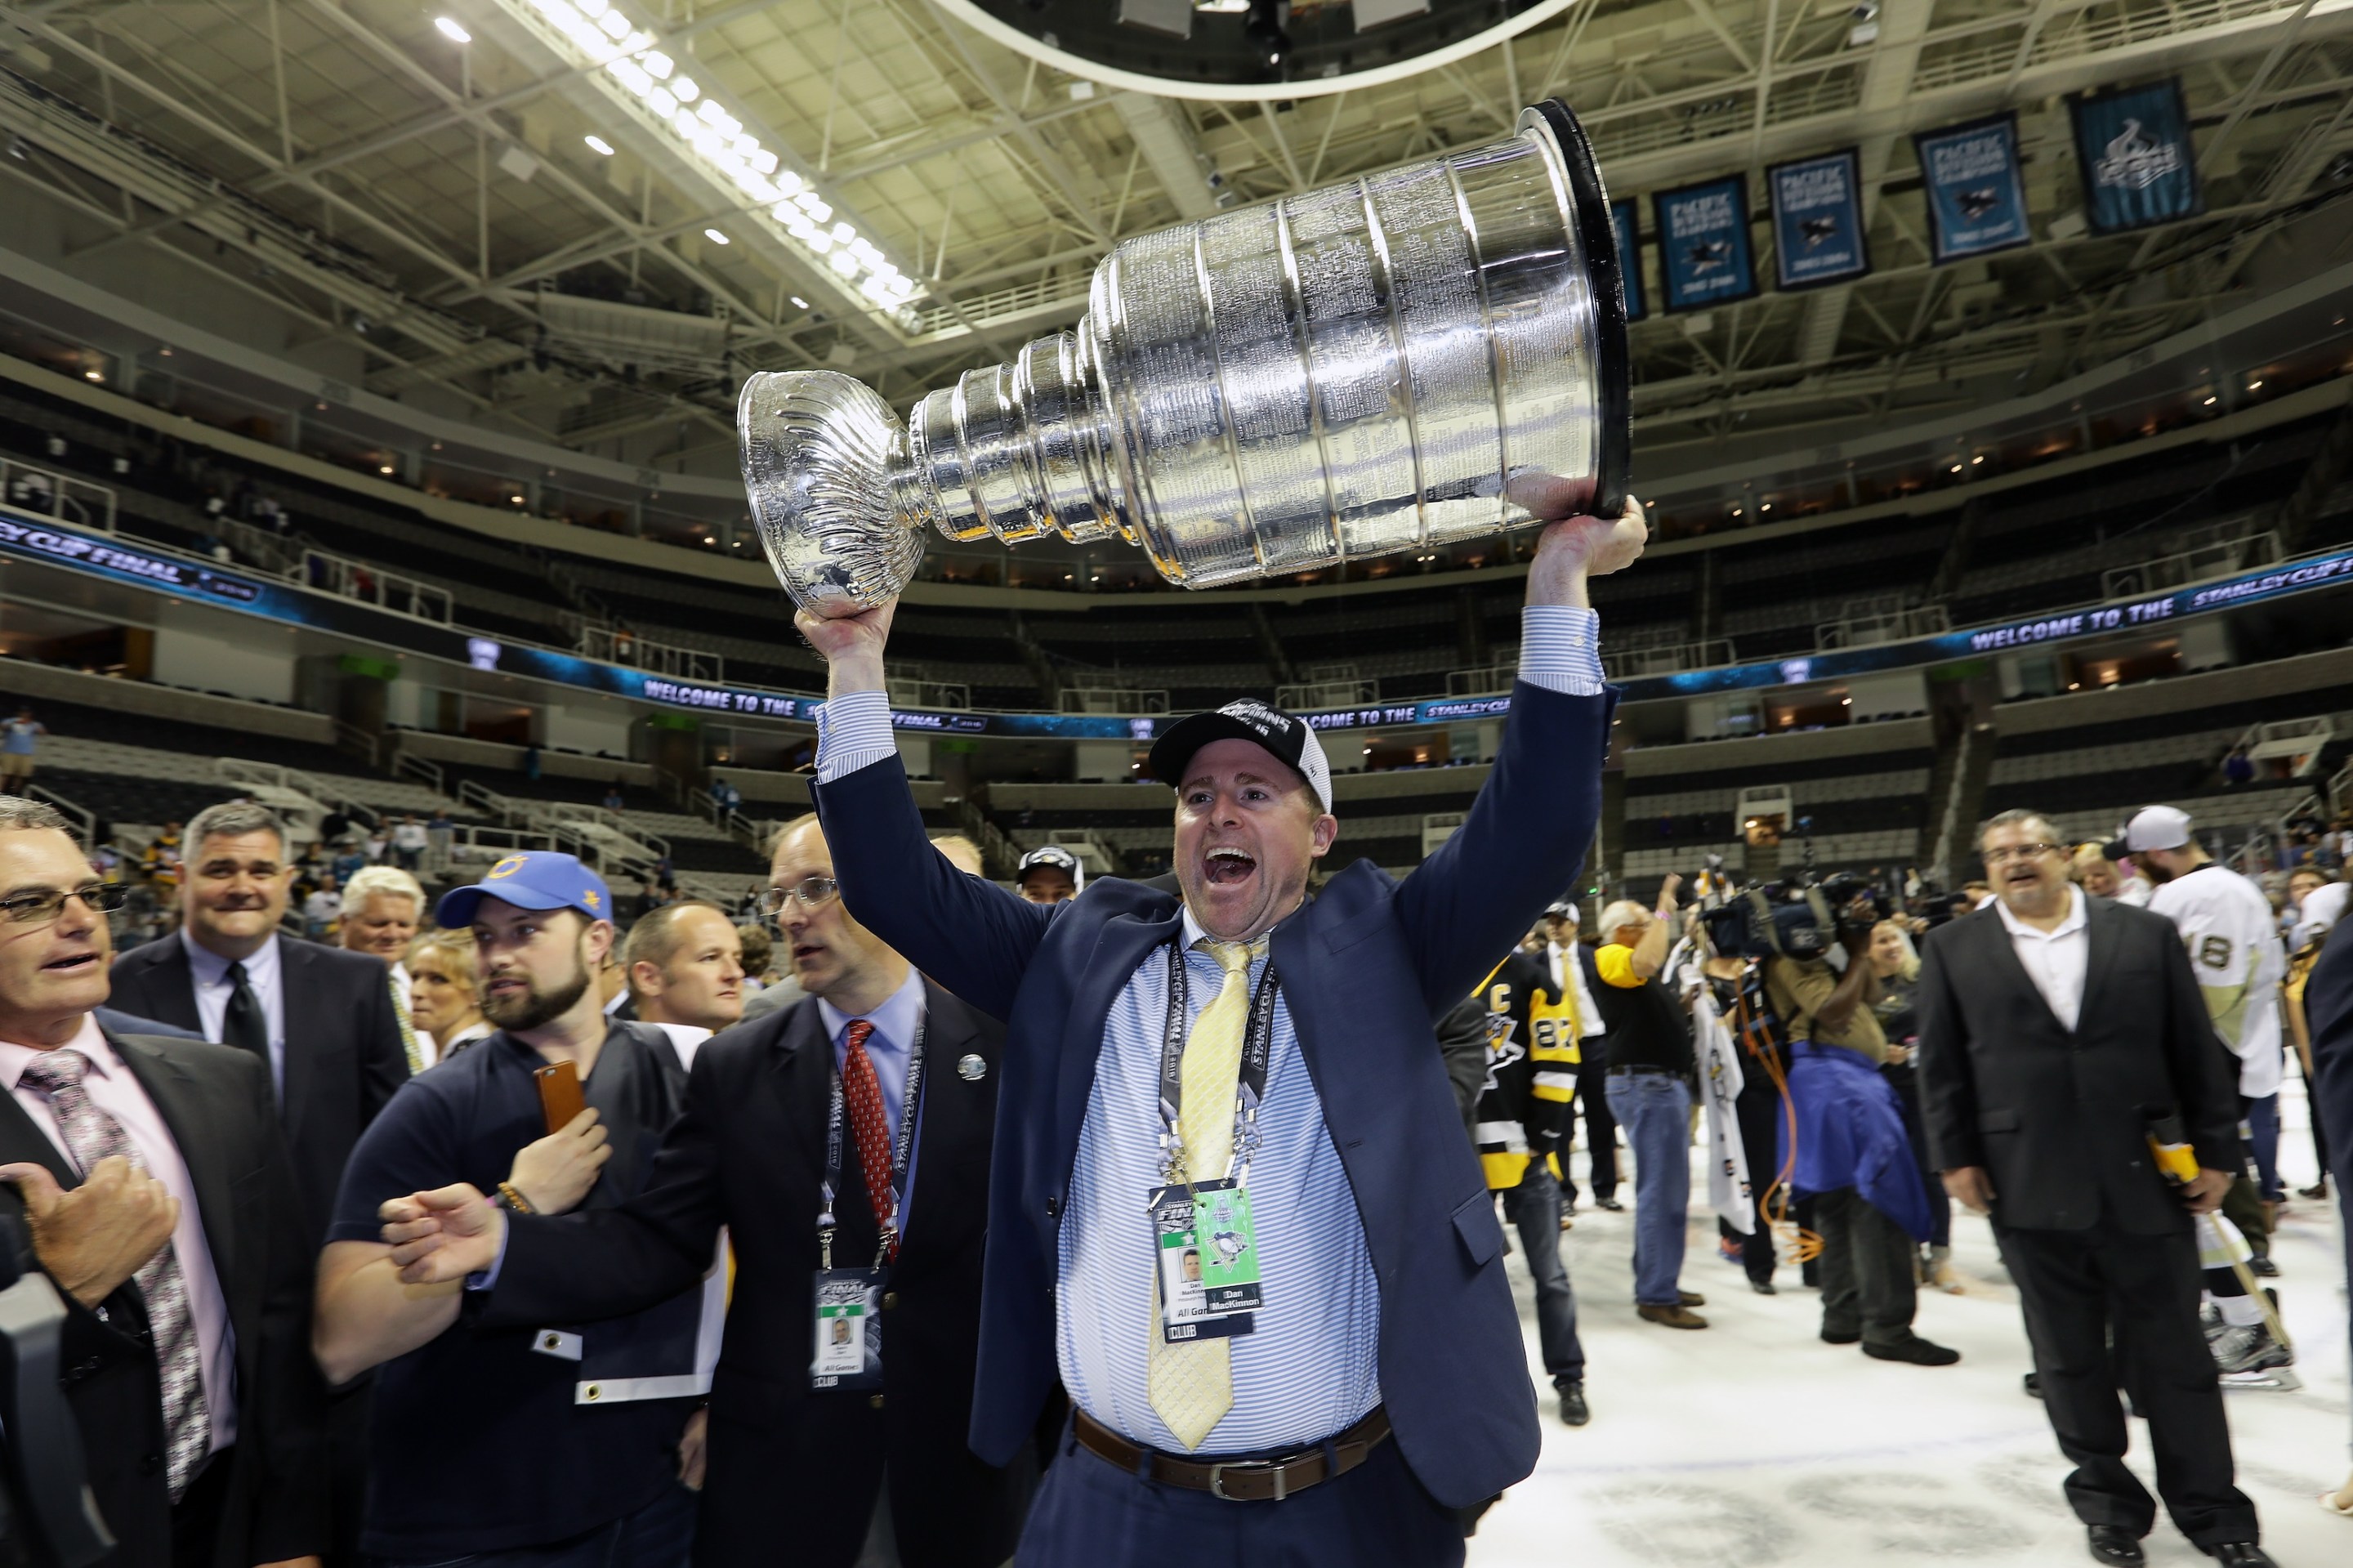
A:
(1433, 354)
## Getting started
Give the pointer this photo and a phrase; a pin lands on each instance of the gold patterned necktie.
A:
(407, 1030)
(1192, 1383)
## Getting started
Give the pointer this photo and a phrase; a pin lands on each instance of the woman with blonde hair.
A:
(445, 992)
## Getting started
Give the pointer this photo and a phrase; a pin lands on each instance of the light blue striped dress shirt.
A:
(1311, 1367)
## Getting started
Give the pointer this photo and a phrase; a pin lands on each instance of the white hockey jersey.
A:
(2227, 925)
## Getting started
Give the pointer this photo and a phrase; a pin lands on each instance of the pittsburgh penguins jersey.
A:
(2233, 938)
(1532, 1055)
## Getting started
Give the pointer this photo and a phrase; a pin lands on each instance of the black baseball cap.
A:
(1287, 736)
(1054, 855)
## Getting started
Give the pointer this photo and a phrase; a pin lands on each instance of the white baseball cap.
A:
(2152, 827)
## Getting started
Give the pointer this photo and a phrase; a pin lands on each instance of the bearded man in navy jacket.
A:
(1368, 1378)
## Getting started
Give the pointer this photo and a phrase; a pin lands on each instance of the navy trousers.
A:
(1090, 1514)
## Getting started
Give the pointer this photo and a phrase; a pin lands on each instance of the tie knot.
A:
(1235, 957)
(858, 1032)
(55, 1070)
(236, 971)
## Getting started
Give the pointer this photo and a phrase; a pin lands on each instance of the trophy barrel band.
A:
(1613, 373)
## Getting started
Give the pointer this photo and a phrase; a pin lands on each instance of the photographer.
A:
(1851, 1153)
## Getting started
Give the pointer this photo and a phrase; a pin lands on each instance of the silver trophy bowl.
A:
(1401, 361)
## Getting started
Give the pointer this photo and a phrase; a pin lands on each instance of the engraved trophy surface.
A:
(1401, 361)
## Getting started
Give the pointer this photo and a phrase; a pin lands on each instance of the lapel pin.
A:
(971, 1069)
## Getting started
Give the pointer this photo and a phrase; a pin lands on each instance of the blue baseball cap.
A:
(541, 879)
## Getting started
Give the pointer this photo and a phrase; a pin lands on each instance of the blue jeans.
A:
(2262, 1121)
(658, 1535)
(1655, 1111)
(1535, 1207)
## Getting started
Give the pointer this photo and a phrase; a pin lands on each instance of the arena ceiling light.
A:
(623, 57)
(1250, 49)
(449, 28)
(598, 145)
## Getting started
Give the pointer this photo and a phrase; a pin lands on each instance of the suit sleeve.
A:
(2205, 1071)
(1522, 843)
(608, 1263)
(1949, 1097)
(2328, 1008)
(383, 1061)
(969, 935)
(1463, 1044)
(291, 1407)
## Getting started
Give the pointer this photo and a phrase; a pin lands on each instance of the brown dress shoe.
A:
(1690, 1299)
(1676, 1317)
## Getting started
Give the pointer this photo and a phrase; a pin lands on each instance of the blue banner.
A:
(1705, 253)
(2133, 149)
(1626, 218)
(1976, 202)
(1818, 220)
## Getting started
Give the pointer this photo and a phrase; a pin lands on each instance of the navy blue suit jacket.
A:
(1367, 969)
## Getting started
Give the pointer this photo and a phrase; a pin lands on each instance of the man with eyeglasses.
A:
(322, 1020)
(818, 1137)
(2057, 1030)
(151, 1180)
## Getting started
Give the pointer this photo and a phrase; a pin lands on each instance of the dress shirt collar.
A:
(90, 1039)
(1195, 935)
(212, 970)
(894, 1020)
(2074, 922)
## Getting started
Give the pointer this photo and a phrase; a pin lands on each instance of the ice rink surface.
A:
(1753, 1441)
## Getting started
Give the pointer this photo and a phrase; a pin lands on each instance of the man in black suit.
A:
(319, 1019)
(868, 1460)
(2053, 1026)
(151, 1179)
(2328, 1008)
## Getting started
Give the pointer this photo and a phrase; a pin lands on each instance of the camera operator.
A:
(1870, 1207)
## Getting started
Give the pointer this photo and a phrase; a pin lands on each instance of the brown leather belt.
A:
(1241, 1480)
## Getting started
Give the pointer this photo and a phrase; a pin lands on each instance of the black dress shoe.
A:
(1841, 1336)
(2114, 1543)
(1612, 1204)
(1916, 1350)
(1763, 1288)
(2034, 1384)
(2239, 1554)
(1573, 1411)
(2261, 1264)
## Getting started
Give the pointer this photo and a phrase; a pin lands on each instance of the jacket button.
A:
(876, 1401)
(1054, 1208)
(890, 1299)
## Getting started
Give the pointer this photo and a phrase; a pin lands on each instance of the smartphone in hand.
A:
(560, 1098)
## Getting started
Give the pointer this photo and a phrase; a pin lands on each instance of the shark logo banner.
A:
(2133, 151)
(1818, 220)
(1976, 202)
(1706, 256)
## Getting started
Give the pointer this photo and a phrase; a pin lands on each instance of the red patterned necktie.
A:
(861, 1101)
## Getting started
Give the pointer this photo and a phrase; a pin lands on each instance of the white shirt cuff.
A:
(1560, 649)
(488, 1278)
(853, 731)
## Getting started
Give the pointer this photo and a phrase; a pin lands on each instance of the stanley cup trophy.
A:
(1434, 354)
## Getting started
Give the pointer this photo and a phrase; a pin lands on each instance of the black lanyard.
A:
(900, 1149)
(1258, 1051)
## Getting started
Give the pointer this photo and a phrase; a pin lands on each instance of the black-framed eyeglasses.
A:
(47, 904)
(812, 891)
(2018, 852)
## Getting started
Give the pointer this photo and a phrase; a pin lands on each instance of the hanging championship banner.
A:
(1976, 202)
(1627, 220)
(1703, 248)
(2133, 149)
(1818, 220)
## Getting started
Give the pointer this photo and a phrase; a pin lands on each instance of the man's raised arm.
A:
(1529, 832)
(970, 936)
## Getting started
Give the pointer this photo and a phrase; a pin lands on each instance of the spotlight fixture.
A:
(713, 236)
(598, 145)
(449, 28)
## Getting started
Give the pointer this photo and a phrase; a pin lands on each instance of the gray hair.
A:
(1616, 916)
(2018, 817)
(19, 815)
(381, 881)
(233, 819)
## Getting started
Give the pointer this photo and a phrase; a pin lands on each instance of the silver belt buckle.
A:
(1218, 1479)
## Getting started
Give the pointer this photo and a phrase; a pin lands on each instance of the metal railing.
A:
(361, 742)
(620, 645)
(371, 584)
(906, 692)
(1116, 700)
(1484, 681)
(238, 770)
(1326, 694)
(424, 769)
(63, 496)
(1863, 629)
(1949, 826)
(2213, 559)
(1626, 663)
